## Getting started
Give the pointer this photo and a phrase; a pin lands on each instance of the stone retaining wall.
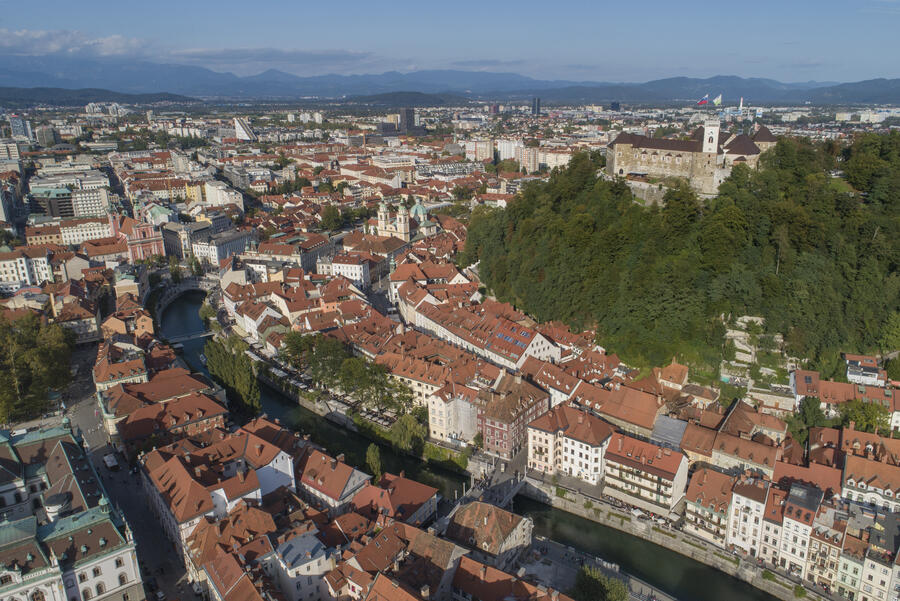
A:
(671, 539)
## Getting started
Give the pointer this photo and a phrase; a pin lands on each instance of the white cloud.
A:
(30, 42)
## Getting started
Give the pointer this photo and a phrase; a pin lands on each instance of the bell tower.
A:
(384, 218)
(403, 223)
(711, 136)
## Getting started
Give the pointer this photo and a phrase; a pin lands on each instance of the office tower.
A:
(536, 107)
(407, 119)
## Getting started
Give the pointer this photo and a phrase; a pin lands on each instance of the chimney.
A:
(581, 418)
(340, 458)
(659, 453)
(483, 571)
(851, 425)
(197, 472)
(425, 592)
(620, 443)
(403, 473)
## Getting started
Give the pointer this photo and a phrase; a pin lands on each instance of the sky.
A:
(621, 41)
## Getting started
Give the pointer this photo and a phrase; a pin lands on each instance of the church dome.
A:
(418, 212)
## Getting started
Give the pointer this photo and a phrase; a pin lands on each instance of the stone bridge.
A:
(189, 284)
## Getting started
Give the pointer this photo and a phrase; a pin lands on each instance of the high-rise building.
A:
(407, 119)
(20, 129)
(243, 131)
(536, 107)
(47, 136)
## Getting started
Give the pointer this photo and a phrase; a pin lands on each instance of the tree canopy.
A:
(593, 585)
(788, 242)
(34, 359)
(229, 364)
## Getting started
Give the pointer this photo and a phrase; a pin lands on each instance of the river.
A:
(676, 574)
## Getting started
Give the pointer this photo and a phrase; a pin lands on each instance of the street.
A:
(155, 552)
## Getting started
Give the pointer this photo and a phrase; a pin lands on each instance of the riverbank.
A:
(681, 577)
(431, 454)
(586, 508)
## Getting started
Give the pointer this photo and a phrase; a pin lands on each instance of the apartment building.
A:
(709, 495)
(645, 475)
(800, 509)
(24, 266)
(747, 513)
(570, 441)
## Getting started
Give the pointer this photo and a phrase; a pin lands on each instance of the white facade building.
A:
(745, 520)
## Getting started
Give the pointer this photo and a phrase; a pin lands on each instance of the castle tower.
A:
(711, 136)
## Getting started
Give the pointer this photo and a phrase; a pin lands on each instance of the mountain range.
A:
(143, 77)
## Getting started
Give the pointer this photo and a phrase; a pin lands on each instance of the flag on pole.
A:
(704, 100)
(717, 100)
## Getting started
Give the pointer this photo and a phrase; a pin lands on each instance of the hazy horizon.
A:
(789, 42)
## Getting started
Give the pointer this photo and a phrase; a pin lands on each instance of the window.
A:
(86, 594)
(97, 572)
(5, 579)
(122, 579)
(37, 596)
(100, 588)
(82, 577)
(119, 562)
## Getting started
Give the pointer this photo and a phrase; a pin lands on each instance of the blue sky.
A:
(636, 40)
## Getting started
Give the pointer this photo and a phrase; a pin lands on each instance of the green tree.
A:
(593, 585)
(408, 435)
(893, 369)
(34, 360)
(866, 417)
(207, 312)
(325, 360)
(228, 363)
(461, 193)
(196, 267)
(175, 271)
(809, 415)
(373, 461)
(890, 338)
(331, 218)
(295, 348)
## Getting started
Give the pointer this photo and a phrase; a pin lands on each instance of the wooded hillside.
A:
(814, 256)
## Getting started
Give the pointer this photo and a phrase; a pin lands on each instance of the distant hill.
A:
(141, 77)
(64, 97)
(409, 99)
(872, 91)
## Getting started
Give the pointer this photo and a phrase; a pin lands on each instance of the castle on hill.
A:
(704, 160)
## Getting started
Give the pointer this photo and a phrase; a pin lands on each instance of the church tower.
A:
(711, 136)
(384, 219)
(403, 223)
